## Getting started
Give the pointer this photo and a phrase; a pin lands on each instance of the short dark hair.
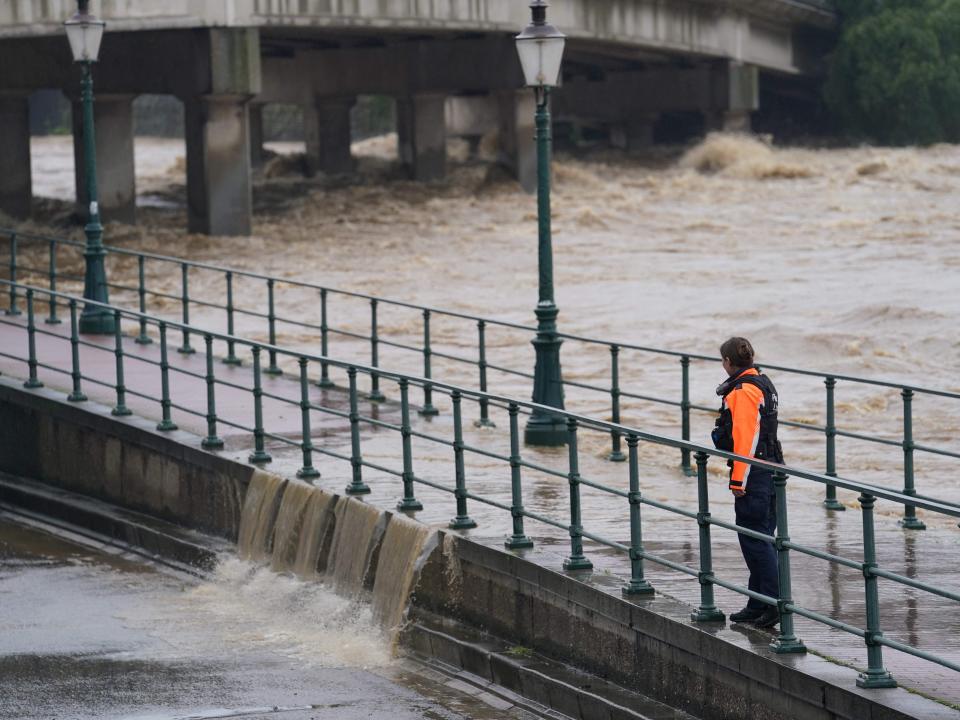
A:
(738, 351)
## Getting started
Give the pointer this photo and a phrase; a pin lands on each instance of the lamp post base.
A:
(546, 430)
(97, 321)
(543, 427)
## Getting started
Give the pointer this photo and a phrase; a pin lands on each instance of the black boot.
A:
(769, 618)
(748, 614)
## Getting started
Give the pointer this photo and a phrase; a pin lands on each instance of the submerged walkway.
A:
(911, 616)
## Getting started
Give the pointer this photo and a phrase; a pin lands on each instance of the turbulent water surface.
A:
(840, 260)
(90, 633)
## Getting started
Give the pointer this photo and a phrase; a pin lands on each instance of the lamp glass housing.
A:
(541, 57)
(84, 32)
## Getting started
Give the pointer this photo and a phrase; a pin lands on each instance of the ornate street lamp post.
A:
(85, 32)
(540, 47)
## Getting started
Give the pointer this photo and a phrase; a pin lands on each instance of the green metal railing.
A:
(428, 352)
(578, 527)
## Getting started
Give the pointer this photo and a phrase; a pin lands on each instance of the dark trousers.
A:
(757, 510)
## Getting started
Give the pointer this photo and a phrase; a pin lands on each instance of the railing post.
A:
(259, 455)
(638, 585)
(830, 502)
(13, 309)
(616, 454)
(356, 486)
(324, 381)
(875, 676)
(231, 358)
(786, 641)
(428, 409)
(142, 338)
(211, 441)
(121, 408)
(518, 539)
(408, 501)
(909, 521)
(272, 367)
(308, 470)
(577, 560)
(685, 415)
(52, 319)
(32, 380)
(76, 394)
(462, 521)
(165, 423)
(484, 420)
(185, 310)
(708, 610)
(375, 394)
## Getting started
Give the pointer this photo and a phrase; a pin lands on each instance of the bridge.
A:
(632, 66)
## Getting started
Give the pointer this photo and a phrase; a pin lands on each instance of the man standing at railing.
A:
(748, 426)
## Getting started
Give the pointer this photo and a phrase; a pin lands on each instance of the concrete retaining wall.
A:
(648, 645)
(123, 462)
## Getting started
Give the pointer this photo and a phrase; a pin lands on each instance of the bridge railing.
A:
(575, 524)
(33, 257)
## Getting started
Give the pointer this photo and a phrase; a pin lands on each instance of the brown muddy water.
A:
(88, 633)
(840, 260)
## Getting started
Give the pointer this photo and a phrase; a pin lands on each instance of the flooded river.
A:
(841, 260)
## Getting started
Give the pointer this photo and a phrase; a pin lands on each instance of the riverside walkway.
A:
(380, 436)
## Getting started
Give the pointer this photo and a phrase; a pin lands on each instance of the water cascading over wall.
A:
(358, 549)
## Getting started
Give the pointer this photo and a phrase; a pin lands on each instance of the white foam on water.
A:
(246, 605)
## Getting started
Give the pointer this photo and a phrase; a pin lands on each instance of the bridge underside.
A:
(631, 70)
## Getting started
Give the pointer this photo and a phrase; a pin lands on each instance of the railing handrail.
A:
(597, 423)
(786, 641)
(825, 375)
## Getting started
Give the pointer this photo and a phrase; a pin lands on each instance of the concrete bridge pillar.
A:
(634, 134)
(737, 95)
(327, 131)
(728, 121)
(256, 135)
(15, 182)
(116, 177)
(217, 131)
(422, 135)
(219, 200)
(518, 151)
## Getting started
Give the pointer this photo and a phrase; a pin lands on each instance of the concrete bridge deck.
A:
(917, 618)
(636, 69)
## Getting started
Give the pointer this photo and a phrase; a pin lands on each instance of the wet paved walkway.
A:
(917, 618)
